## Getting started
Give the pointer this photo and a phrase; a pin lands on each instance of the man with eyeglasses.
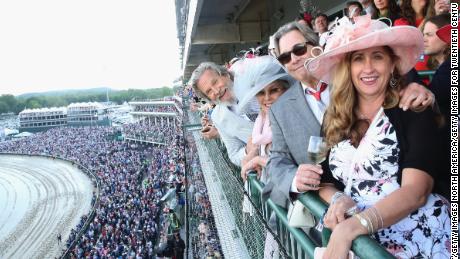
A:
(298, 114)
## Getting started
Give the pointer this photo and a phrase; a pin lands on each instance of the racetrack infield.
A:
(39, 199)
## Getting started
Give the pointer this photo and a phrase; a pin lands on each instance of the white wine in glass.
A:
(317, 150)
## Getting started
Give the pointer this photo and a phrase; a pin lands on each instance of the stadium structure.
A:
(33, 120)
(158, 112)
(75, 114)
(83, 114)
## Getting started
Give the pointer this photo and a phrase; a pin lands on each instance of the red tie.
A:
(317, 94)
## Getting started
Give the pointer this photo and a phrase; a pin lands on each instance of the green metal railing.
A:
(296, 242)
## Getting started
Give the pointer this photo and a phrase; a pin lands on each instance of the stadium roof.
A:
(45, 110)
(82, 105)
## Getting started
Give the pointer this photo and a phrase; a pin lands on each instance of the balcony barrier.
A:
(296, 242)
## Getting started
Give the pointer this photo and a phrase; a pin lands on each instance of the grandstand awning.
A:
(10, 131)
(23, 135)
(216, 31)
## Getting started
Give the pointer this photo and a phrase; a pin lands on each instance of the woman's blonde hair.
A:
(341, 120)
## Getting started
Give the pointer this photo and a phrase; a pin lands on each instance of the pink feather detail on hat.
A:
(346, 31)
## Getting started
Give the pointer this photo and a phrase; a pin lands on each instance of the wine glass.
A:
(316, 149)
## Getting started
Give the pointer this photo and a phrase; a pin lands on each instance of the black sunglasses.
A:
(298, 50)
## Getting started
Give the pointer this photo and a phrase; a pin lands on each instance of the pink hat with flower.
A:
(405, 41)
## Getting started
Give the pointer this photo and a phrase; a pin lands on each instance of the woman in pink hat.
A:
(382, 159)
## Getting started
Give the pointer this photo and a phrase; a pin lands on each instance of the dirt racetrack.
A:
(39, 199)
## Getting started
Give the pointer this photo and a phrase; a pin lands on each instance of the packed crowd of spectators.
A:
(133, 179)
(205, 240)
(149, 131)
(155, 108)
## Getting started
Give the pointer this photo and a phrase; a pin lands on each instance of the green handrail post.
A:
(363, 246)
(255, 194)
(317, 207)
(300, 237)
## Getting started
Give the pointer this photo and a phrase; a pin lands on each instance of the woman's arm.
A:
(326, 192)
(416, 186)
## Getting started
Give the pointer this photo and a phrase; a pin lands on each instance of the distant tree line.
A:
(10, 103)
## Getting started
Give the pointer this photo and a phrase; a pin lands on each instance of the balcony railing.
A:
(295, 241)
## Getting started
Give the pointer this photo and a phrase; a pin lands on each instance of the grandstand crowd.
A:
(205, 239)
(156, 108)
(151, 131)
(133, 179)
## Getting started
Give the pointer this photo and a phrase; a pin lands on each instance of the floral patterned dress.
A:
(370, 173)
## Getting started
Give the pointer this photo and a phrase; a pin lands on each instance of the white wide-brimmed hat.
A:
(405, 41)
(254, 74)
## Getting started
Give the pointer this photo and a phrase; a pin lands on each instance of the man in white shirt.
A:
(214, 84)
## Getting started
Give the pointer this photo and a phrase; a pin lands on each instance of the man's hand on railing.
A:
(252, 165)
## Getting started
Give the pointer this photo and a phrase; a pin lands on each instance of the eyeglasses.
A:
(298, 50)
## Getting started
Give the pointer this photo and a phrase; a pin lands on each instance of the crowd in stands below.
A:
(133, 180)
(149, 131)
(205, 240)
(156, 108)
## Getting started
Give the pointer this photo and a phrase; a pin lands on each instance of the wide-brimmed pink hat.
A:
(405, 41)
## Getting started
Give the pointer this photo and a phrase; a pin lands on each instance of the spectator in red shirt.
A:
(414, 12)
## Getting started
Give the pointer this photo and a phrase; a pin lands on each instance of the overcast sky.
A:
(62, 44)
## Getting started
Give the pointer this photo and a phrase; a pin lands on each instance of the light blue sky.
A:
(63, 44)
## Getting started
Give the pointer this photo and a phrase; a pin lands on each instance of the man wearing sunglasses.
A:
(298, 114)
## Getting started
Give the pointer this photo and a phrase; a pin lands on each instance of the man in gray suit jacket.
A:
(298, 114)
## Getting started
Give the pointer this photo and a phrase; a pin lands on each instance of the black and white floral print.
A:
(370, 173)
